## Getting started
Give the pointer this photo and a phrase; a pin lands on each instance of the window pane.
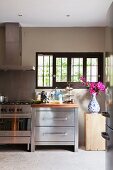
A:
(40, 71)
(61, 69)
(76, 69)
(95, 70)
(92, 69)
(88, 71)
(40, 60)
(46, 81)
(40, 81)
(51, 81)
(45, 70)
(107, 61)
(109, 69)
(92, 79)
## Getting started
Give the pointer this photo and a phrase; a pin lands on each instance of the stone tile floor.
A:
(13, 158)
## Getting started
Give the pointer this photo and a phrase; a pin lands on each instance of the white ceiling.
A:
(52, 13)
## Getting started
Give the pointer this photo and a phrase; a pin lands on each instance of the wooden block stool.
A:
(94, 125)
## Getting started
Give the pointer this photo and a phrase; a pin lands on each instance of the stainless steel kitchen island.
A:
(54, 124)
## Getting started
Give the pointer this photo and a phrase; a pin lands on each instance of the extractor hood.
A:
(14, 67)
(12, 59)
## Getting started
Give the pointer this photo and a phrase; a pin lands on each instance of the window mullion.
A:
(43, 70)
(84, 66)
(54, 70)
(37, 71)
(69, 69)
(61, 69)
(49, 70)
(100, 69)
(90, 69)
(79, 67)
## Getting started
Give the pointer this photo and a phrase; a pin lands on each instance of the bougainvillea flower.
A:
(101, 86)
(83, 79)
(93, 86)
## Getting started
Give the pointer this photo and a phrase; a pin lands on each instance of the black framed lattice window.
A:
(92, 69)
(59, 69)
(76, 69)
(44, 70)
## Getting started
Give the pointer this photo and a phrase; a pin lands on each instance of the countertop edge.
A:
(55, 105)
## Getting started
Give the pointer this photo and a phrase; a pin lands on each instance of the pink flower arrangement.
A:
(94, 87)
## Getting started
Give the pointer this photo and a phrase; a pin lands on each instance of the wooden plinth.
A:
(94, 125)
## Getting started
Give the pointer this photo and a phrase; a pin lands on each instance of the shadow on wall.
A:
(82, 98)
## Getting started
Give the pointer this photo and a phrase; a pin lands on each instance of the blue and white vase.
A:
(93, 106)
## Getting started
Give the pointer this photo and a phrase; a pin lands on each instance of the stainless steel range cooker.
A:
(15, 122)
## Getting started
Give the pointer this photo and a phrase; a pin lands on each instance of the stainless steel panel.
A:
(33, 131)
(15, 121)
(38, 109)
(54, 143)
(54, 134)
(15, 133)
(109, 106)
(109, 85)
(60, 117)
(58, 133)
(109, 149)
(18, 115)
(14, 140)
(76, 130)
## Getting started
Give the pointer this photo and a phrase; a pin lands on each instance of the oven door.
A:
(108, 136)
(14, 124)
(15, 128)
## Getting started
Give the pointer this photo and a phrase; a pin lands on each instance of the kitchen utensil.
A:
(2, 99)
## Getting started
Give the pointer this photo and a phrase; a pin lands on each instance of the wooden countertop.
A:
(51, 105)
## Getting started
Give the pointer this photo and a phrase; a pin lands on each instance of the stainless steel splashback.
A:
(17, 85)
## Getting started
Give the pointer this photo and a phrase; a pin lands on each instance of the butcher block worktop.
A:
(63, 105)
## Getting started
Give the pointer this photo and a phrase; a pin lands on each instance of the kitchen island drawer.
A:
(54, 134)
(55, 118)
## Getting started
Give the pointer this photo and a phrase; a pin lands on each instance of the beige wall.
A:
(60, 40)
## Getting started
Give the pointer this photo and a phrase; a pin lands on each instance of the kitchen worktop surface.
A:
(53, 105)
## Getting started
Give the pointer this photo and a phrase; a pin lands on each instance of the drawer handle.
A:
(56, 118)
(105, 114)
(55, 133)
(105, 135)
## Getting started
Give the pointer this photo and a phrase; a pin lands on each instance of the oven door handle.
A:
(106, 114)
(105, 135)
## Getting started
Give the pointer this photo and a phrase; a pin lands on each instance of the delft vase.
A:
(93, 106)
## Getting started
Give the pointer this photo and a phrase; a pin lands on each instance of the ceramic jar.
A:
(93, 106)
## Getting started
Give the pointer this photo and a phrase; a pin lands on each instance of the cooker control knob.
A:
(2, 110)
(5, 109)
(12, 110)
